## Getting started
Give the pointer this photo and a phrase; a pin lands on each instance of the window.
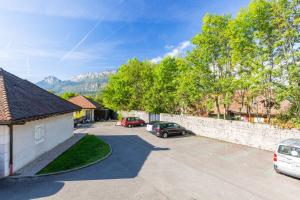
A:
(176, 125)
(171, 125)
(39, 134)
(290, 151)
(159, 125)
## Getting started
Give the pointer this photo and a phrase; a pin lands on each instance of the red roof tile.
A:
(84, 102)
(257, 108)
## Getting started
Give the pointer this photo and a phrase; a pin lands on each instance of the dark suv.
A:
(167, 129)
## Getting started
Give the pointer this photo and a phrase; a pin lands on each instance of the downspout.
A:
(11, 171)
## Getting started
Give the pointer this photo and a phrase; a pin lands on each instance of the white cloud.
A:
(178, 51)
(156, 60)
(169, 46)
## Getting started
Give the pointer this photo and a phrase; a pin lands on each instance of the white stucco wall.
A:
(57, 129)
(4, 151)
(90, 114)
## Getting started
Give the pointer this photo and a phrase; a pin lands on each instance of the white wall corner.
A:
(4, 151)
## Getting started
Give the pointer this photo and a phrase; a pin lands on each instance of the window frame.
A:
(39, 134)
(291, 148)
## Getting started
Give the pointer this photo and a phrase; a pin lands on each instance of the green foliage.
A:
(161, 97)
(79, 114)
(213, 47)
(120, 116)
(255, 54)
(126, 89)
(68, 95)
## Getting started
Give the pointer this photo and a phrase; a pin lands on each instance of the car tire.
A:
(129, 126)
(183, 133)
(165, 135)
(276, 170)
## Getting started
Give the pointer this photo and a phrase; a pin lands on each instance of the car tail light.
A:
(275, 157)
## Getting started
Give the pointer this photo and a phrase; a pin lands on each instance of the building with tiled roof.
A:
(256, 112)
(32, 121)
(88, 106)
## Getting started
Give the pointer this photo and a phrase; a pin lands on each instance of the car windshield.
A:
(288, 150)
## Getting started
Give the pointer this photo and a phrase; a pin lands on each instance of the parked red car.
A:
(132, 121)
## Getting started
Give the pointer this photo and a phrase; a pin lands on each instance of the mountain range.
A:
(85, 84)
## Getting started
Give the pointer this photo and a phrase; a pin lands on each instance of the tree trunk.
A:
(225, 112)
(249, 113)
(218, 106)
(268, 115)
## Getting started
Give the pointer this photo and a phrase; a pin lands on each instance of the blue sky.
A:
(66, 38)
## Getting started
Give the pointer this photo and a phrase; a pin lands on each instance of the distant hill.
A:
(86, 84)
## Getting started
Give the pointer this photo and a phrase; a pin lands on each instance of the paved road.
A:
(143, 166)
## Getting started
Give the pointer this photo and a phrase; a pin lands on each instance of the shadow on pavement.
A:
(129, 155)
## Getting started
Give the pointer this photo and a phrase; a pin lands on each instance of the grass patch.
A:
(87, 150)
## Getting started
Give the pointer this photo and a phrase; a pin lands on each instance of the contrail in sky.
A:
(85, 36)
(81, 41)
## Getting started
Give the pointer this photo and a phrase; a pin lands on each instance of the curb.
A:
(65, 171)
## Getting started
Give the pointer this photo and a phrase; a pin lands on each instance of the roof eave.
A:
(5, 123)
(24, 120)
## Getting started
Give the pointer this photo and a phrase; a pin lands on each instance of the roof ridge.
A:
(4, 98)
(22, 101)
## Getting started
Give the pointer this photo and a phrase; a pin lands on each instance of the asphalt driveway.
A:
(143, 166)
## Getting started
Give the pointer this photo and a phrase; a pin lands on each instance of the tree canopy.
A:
(68, 95)
(255, 54)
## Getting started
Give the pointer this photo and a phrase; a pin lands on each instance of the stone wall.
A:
(257, 135)
(141, 114)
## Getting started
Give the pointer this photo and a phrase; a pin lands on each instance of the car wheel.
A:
(165, 135)
(276, 170)
(129, 126)
(183, 133)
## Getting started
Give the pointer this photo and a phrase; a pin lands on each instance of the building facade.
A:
(32, 122)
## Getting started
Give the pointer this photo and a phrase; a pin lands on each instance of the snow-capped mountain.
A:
(89, 83)
(91, 76)
(51, 80)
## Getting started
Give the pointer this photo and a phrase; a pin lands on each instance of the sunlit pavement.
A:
(143, 166)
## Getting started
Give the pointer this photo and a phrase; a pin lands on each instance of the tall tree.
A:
(287, 22)
(127, 88)
(212, 45)
(161, 98)
(270, 23)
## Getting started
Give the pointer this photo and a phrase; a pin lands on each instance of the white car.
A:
(287, 157)
(149, 127)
